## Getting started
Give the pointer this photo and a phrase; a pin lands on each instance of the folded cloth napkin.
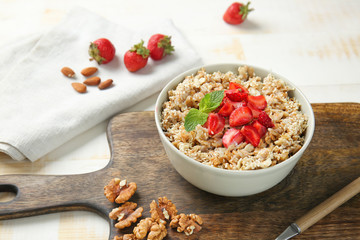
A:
(40, 110)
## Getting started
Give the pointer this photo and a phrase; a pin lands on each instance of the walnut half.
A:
(157, 231)
(125, 237)
(125, 214)
(142, 228)
(188, 224)
(166, 210)
(119, 191)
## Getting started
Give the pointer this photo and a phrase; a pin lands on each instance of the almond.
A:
(79, 87)
(89, 71)
(93, 81)
(105, 84)
(68, 72)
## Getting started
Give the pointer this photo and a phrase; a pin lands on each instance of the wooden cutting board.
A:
(330, 163)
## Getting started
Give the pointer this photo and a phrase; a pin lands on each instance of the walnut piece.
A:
(111, 191)
(142, 228)
(157, 231)
(125, 237)
(166, 210)
(119, 191)
(126, 192)
(125, 214)
(188, 224)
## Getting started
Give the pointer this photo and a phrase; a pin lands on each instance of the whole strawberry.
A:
(102, 51)
(137, 57)
(160, 46)
(237, 13)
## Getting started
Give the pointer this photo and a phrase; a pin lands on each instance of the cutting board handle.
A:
(37, 194)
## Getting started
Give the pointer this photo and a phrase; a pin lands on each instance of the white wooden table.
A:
(315, 44)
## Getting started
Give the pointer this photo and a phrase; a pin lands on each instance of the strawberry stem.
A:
(165, 43)
(244, 10)
(140, 49)
(95, 53)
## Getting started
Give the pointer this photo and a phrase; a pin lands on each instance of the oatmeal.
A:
(279, 136)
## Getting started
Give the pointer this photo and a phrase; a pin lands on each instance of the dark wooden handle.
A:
(36, 194)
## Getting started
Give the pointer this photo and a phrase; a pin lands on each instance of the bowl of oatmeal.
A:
(232, 129)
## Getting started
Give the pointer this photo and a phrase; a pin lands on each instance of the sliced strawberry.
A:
(239, 104)
(265, 120)
(251, 134)
(225, 100)
(232, 136)
(260, 128)
(258, 102)
(236, 95)
(254, 111)
(240, 116)
(226, 109)
(215, 123)
(234, 85)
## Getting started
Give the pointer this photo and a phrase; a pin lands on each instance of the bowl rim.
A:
(180, 77)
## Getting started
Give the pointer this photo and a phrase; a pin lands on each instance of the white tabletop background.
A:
(314, 43)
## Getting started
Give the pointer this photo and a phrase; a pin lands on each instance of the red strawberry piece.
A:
(251, 134)
(265, 120)
(237, 13)
(260, 128)
(239, 104)
(137, 57)
(254, 111)
(234, 85)
(240, 116)
(160, 46)
(258, 102)
(102, 51)
(232, 136)
(215, 123)
(235, 104)
(225, 100)
(226, 109)
(236, 95)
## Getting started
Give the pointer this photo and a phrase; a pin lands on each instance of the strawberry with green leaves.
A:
(137, 57)
(102, 51)
(237, 13)
(160, 46)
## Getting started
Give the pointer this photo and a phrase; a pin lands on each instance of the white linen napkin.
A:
(39, 109)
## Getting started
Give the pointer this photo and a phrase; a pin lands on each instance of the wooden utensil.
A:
(320, 211)
(331, 161)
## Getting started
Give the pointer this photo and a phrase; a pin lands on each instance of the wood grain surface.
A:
(330, 163)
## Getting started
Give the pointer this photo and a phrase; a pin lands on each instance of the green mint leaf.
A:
(211, 101)
(193, 118)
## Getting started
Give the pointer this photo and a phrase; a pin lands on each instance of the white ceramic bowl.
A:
(231, 182)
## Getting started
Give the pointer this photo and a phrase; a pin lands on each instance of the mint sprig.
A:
(209, 103)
